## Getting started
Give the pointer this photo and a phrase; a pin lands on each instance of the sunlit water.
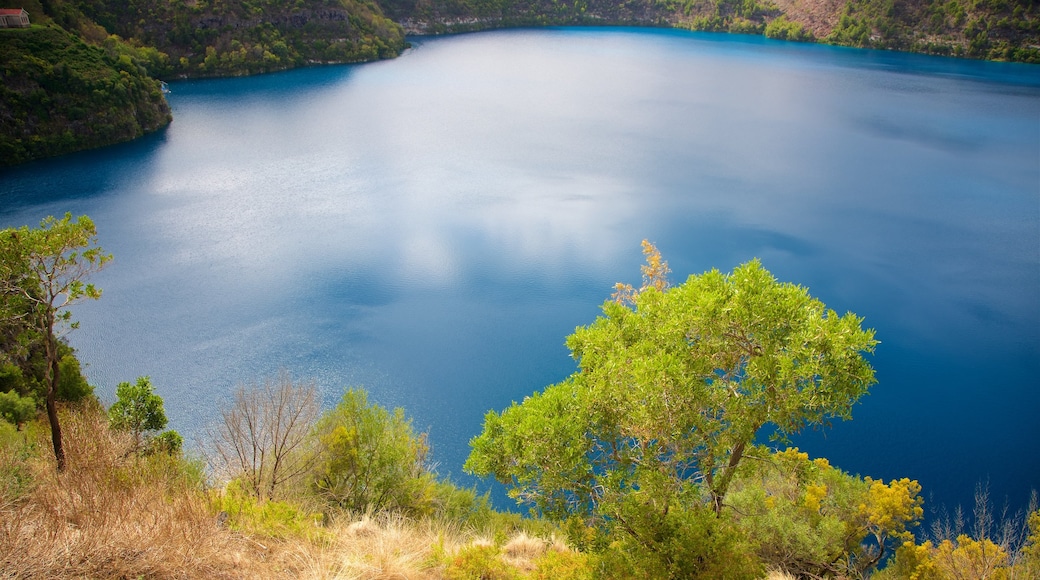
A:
(432, 227)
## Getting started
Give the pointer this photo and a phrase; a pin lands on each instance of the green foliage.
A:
(12, 379)
(43, 272)
(479, 562)
(138, 410)
(27, 378)
(851, 31)
(68, 95)
(451, 503)
(72, 386)
(240, 37)
(166, 443)
(673, 386)
(991, 30)
(811, 519)
(16, 409)
(671, 391)
(783, 29)
(269, 518)
(17, 448)
(685, 542)
(372, 459)
(562, 565)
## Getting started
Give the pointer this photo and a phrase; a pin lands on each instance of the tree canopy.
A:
(673, 386)
(43, 272)
(137, 409)
(371, 458)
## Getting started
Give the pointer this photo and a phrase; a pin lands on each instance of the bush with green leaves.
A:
(812, 519)
(137, 410)
(16, 409)
(684, 542)
(73, 386)
(673, 387)
(783, 29)
(168, 442)
(265, 517)
(480, 561)
(17, 449)
(372, 459)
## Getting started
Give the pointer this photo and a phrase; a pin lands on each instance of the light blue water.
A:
(432, 227)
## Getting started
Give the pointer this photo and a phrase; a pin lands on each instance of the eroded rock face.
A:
(817, 16)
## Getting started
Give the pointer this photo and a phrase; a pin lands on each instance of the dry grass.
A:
(114, 515)
(374, 548)
(111, 515)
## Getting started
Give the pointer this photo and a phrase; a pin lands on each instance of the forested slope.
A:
(83, 75)
(196, 37)
(990, 29)
(59, 94)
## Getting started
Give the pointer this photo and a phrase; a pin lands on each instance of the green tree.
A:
(168, 443)
(810, 518)
(671, 390)
(16, 409)
(72, 386)
(44, 270)
(137, 409)
(371, 458)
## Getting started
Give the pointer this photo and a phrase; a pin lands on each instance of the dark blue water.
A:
(432, 227)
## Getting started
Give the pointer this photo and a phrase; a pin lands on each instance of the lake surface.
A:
(432, 227)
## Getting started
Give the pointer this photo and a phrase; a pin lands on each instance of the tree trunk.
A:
(52, 398)
(719, 491)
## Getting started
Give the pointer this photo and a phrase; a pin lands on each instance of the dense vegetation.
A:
(84, 75)
(643, 464)
(80, 77)
(59, 94)
(989, 29)
(249, 36)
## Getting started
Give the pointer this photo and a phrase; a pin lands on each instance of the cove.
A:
(432, 227)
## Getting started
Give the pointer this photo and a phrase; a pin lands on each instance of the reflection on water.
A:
(433, 227)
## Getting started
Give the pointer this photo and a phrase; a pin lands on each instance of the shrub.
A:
(72, 385)
(16, 409)
(273, 519)
(479, 561)
(685, 542)
(372, 459)
(562, 565)
(783, 29)
(809, 518)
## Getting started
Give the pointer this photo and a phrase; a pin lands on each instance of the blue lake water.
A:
(432, 227)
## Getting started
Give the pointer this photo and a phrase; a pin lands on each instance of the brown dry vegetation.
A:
(818, 16)
(112, 514)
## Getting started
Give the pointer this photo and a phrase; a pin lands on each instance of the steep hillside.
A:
(82, 75)
(79, 77)
(59, 94)
(232, 37)
(989, 29)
